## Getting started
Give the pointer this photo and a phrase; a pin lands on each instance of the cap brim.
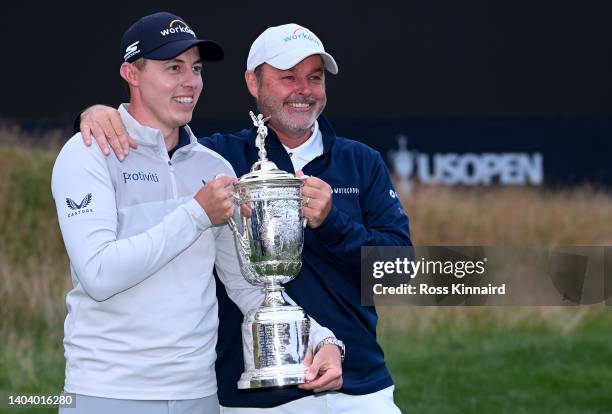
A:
(209, 51)
(291, 58)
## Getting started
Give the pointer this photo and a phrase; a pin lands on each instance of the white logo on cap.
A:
(181, 27)
(131, 50)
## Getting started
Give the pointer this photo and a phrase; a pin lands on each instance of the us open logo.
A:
(470, 169)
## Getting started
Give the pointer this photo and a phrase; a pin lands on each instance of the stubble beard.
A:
(284, 121)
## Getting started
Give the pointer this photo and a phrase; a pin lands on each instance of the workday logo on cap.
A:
(163, 36)
(177, 26)
(287, 45)
(301, 33)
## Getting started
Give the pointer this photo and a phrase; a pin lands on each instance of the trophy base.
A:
(273, 377)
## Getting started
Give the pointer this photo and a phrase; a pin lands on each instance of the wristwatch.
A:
(333, 341)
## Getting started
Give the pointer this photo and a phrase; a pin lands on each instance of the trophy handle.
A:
(304, 219)
(243, 251)
(243, 246)
(241, 240)
(241, 237)
(232, 225)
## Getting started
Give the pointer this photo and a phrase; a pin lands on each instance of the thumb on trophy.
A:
(308, 357)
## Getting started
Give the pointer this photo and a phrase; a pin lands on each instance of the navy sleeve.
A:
(384, 221)
(76, 124)
(228, 148)
(214, 142)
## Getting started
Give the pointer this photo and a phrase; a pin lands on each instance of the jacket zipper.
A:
(172, 176)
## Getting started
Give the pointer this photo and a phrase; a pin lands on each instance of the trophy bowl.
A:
(273, 226)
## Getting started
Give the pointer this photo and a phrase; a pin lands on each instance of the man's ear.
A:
(252, 83)
(129, 73)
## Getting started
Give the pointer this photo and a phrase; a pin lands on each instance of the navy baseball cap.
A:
(163, 36)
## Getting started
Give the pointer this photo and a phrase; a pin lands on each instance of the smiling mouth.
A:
(183, 99)
(300, 106)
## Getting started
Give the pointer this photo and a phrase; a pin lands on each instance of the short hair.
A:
(140, 63)
(258, 72)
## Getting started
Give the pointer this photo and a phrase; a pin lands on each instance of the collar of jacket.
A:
(144, 135)
(278, 154)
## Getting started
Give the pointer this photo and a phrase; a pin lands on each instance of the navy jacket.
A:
(365, 211)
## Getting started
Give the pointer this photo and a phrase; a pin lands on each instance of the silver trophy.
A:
(269, 243)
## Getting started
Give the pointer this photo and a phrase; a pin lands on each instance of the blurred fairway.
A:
(443, 360)
(482, 360)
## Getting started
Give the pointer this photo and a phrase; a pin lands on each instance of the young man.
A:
(348, 202)
(143, 237)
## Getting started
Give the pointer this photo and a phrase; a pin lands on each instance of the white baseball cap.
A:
(285, 46)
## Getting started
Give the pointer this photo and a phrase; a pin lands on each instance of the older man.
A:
(143, 237)
(347, 200)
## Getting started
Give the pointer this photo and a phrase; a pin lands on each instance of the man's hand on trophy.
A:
(106, 126)
(316, 200)
(324, 370)
(216, 198)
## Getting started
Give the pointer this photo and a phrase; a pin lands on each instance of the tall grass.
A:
(33, 269)
(510, 216)
(33, 262)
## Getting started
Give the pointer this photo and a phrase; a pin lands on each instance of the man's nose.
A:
(303, 86)
(192, 80)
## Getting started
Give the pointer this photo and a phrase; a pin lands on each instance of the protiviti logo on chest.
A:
(177, 26)
(140, 176)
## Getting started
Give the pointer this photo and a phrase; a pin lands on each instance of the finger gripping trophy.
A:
(269, 245)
